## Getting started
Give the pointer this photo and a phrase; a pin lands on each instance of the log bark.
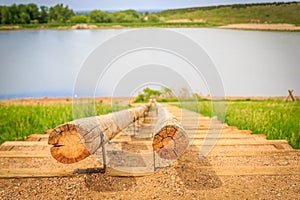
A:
(76, 140)
(170, 139)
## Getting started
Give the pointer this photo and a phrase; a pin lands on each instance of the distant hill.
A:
(280, 12)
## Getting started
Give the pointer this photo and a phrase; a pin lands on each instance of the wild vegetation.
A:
(277, 119)
(19, 121)
(32, 16)
(147, 94)
(278, 12)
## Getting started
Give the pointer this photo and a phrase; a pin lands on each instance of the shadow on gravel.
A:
(196, 172)
(107, 183)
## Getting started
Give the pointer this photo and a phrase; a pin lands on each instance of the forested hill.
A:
(31, 15)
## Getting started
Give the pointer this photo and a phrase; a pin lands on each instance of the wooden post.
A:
(170, 139)
(291, 95)
(76, 140)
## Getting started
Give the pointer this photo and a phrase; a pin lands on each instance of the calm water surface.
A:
(41, 63)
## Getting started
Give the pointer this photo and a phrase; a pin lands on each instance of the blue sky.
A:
(133, 4)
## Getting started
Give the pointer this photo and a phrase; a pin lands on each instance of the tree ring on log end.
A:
(67, 144)
(173, 144)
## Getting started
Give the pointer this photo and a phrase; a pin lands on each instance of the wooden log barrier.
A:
(170, 139)
(76, 140)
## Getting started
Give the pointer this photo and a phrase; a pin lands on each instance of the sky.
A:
(83, 5)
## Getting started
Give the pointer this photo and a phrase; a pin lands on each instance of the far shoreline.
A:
(244, 26)
(107, 100)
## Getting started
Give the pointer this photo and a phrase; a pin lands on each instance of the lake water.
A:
(39, 63)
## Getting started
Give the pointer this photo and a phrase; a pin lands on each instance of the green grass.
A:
(111, 25)
(275, 118)
(19, 121)
(247, 13)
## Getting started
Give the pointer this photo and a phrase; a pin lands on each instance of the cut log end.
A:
(67, 146)
(170, 142)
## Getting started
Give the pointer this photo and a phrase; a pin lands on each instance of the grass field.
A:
(276, 119)
(19, 121)
(241, 13)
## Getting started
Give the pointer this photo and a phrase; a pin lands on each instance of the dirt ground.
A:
(273, 27)
(185, 179)
(69, 100)
(66, 100)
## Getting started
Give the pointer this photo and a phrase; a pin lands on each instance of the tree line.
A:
(33, 14)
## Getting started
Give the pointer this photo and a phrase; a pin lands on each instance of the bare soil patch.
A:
(66, 100)
(273, 27)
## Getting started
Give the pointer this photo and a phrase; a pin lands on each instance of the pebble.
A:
(51, 179)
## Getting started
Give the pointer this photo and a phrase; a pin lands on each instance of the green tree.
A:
(79, 19)
(1, 14)
(150, 93)
(122, 17)
(167, 92)
(184, 92)
(127, 16)
(153, 18)
(147, 94)
(33, 11)
(140, 98)
(132, 13)
(97, 16)
(14, 11)
(24, 18)
(6, 17)
(43, 15)
(60, 13)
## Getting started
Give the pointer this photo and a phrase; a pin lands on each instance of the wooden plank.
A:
(194, 128)
(6, 148)
(225, 136)
(45, 172)
(217, 142)
(147, 142)
(238, 142)
(25, 143)
(34, 172)
(251, 153)
(224, 131)
(24, 154)
(121, 138)
(38, 136)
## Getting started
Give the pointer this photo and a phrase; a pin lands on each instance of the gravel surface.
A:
(184, 179)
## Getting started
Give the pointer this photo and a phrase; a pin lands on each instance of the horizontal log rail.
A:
(76, 140)
(170, 139)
